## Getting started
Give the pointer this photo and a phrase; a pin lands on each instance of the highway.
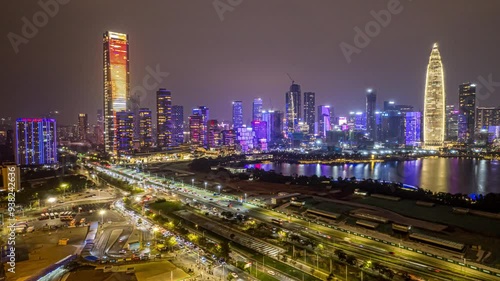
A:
(369, 249)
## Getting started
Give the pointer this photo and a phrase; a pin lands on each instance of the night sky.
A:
(247, 54)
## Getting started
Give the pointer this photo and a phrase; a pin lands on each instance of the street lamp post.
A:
(102, 212)
(245, 197)
(218, 188)
(51, 200)
(205, 186)
(192, 183)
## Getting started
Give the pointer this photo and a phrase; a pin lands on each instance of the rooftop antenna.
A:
(291, 79)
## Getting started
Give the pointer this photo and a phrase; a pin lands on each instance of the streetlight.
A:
(102, 212)
(51, 200)
(218, 188)
(155, 229)
(64, 186)
(205, 186)
(192, 183)
(245, 197)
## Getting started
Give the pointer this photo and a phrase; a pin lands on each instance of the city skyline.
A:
(332, 82)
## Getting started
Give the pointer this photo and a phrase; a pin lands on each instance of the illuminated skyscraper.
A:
(195, 130)
(467, 112)
(125, 132)
(83, 126)
(487, 117)
(434, 102)
(213, 134)
(413, 122)
(371, 107)
(257, 109)
(164, 118)
(237, 114)
(323, 120)
(293, 106)
(36, 141)
(116, 85)
(178, 124)
(145, 128)
(451, 123)
(310, 110)
(203, 111)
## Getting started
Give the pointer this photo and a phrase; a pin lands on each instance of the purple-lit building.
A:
(195, 130)
(260, 130)
(413, 126)
(323, 120)
(228, 138)
(36, 141)
(245, 138)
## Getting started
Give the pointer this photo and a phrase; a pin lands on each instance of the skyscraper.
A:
(451, 123)
(145, 128)
(487, 117)
(99, 129)
(204, 112)
(257, 109)
(413, 122)
(83, 126)
(324, 124)
(36, 141)
(293, 106)
(195, 130)
(237, 114)
(164, 118)
(310, 110)
(371, 107)
(434, 102)
(213, 134)
(125, 132)
(178, 125)
(467, 112)
(116, 85)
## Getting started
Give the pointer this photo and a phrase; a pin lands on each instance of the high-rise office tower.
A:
(467, 112)
(310, 110)
(178, 125)
(125, 132)
(83, 126)
(487, 117)
(274, 124)
(195, 130)
(413, 128)
(324, 124)
(36, 141)
(99, 128)
(203, 111)
(237, 114)
(213, 134)
(116, 85)
(371, 107)
(434, 102)
(145, 128)
(163, 118)
(257, 109)
(293, 106)
(451, 123)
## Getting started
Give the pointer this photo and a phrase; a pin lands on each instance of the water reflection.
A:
(437, 174)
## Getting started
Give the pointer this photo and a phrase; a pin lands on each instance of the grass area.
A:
(439, 214)
(286, 268)
(265, 277)
(166, 207)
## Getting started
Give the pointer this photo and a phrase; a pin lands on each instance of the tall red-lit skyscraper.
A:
(116, 85)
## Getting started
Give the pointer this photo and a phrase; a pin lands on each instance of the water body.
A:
(454, 175)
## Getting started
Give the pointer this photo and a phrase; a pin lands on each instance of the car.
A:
(270, 272)
(234, 274)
